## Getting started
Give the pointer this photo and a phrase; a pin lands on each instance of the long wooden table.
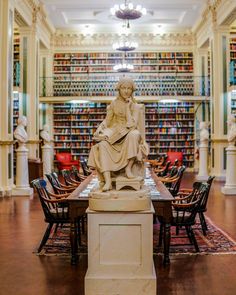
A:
(78, 205)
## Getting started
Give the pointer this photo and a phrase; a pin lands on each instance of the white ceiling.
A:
(93, 16)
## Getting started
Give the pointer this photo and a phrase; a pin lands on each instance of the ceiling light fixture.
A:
(127, 11)
(125, 46)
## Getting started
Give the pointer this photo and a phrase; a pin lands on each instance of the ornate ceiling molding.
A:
(209, 12)
(68, 40)
(19, 19)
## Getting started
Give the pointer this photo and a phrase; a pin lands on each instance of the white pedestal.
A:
(46, 157)
(22, 173)
(203, 162)
(230, 184)
(120, 253)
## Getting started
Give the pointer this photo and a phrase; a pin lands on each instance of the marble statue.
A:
(231, 130)
(121, 144)
(45, 135)
(20, 133)
(204, 133)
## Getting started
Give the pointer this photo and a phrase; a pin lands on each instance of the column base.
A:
(202, 177)
(27, 191)
(229, 190)
(113, 286)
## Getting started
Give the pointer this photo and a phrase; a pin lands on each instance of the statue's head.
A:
(203, 125)
(231, 119)
(46, 128)
(126, 87)
(22, 120)
(126, 80)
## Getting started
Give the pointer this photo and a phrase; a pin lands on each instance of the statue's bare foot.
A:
(128, 173)
(107, 187)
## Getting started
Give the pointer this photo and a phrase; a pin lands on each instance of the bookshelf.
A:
(74, 125)
(92, 74)
(16, 59)
(233, 103)
(170, 127)
(232, 61)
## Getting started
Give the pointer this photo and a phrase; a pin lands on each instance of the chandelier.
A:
(127, 11)
(124, 67)
(125, 46)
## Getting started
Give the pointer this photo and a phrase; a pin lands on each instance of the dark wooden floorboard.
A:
(24, 273)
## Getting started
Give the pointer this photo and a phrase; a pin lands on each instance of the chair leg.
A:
(193, 238)
(203, 223)
(45, 237)
(160, 235)
(79, 231)
(189, 234)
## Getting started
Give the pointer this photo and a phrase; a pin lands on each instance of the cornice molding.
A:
(68, 40)
(209, 12)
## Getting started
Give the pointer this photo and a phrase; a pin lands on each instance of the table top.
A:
(158, 190)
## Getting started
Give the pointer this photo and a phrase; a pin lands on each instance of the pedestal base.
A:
(122, 286)
(228, 190)
(120, 253)
(22, 191)
(124, 200)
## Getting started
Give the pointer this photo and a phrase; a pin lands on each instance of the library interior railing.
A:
(104, 85)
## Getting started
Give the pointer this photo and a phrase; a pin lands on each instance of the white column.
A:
(230, 184)
(6, 96)
(22, 173)
(203, 162)
(29, 60)
(47, 159)
(219, 82)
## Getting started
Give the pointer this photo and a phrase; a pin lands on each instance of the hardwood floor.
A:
(24, 273)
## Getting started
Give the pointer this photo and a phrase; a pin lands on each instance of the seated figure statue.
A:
(121, 144)
(231, 130)
(20, 133)
(204, 133)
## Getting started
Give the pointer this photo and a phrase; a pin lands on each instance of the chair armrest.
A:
(184, 205)
(64, 189)
(58, 196)
(63, 200)
(168, 180)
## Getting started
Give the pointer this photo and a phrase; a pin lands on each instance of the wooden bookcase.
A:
(92, 74)
(74, 125)
(16, 59)
(233, 61)
(169, 127)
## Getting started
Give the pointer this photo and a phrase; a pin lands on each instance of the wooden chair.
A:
(54, 209)
(58, 187)
(173, 183)
(162, 171)
(203, 208)
(78, 176)
(69, 181)
(184, 212)
(85, 168)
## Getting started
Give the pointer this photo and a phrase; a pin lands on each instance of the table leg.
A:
(166, 243)
(73, 241)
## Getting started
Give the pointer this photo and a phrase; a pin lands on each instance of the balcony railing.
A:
(147, 85)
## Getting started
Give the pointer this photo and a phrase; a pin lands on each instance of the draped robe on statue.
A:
(119, 143)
